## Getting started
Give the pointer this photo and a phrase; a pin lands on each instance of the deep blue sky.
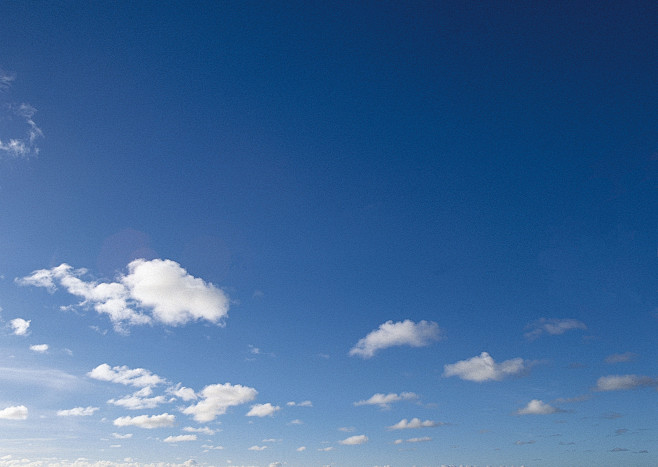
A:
(328, 168)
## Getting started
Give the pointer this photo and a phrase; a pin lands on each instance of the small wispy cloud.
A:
(620, 357)
(392, 334)
(405, 424)
(77, 412)
(22, 118)
(552, 327)
(384, 401)
(623, 382)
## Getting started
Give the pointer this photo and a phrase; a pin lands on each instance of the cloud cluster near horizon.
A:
(153, 291)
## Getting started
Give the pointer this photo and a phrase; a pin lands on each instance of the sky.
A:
(337, 234)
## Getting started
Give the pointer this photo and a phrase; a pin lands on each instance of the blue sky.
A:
(307, 234)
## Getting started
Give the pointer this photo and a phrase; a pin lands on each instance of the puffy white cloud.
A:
(257, 448)
(179, 438)
(137, 377)
(139, 400)
(413, 423)
(217, 398)
(77, 412)
(552, 326)
(204, 430)
(301, 449)
(384, 401)
(122, 436)
(620, 357)
(623, 382)
(39, 348)
(263, 410)
(354, 440)
(537, 407)
(19, 326)
(187, 394)
(392, 334)
(159, 287)
(16, 412)
(483, 368)
(146, 421)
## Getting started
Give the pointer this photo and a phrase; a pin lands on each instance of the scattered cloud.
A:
(619, 450)
(211, 447)
(354, 440)
(77, 412)
(552, 327)
(203, 430)
(623, 382)
(327, 449)
(347, 429)
(413, 423)
(18, 119)
(40, 377)
(217, 398)
(296, 421)
(39, 348)
(521, 443)
(392, 334)
(146, 421)
(19, 326)
(483, 368)
(122, 436)
(263, 410)
(620, 357)
(257, 448)
(137, 377)
(186, 394)
(139, 400)
(301, 449)
(423, 439)
(384, 401)
(537, 407)
(153, 290)
(299, 404)
(16, 412)
(179, 438)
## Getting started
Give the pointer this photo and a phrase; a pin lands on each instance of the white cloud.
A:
(301, 449)
(139, 400)
(19, 326)
(16, 412)
(537, 407)
(384, 401)
(392, 334)
(299, 404)
(187, 394)
(217, 398)
(552, 326)
(39, 348)
(423, 439)
(263, 410)
(40, 377)
(623, 382)
(257, 448)
(122, 436)
(275, 464)
(296, 421)
(620, 357)
(327, 449)
(204, 430)
(179, 438)
(354, 440)
(145, 421)
(483, 368)
(210, 446)
(77, 412)
(137, 377)
(413, 423)
(25, 145)
(159, 287)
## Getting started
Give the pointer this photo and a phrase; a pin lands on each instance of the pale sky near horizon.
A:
(328, 234)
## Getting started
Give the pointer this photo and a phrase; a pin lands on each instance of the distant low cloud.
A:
(152, 291)
(384, 401)
(413, 423)
(19, 326)
(483, 368)
(620, 357)
(552, 327)
(538, 407)
(263, 410)
(179, 438)
(16, 412)
(77, 412)
(39, 348)
(138, 377)
(392, 334)
(146, 421)
(217, 398)
(623, 382)
(354, 440)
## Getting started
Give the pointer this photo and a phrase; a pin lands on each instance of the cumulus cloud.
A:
(39, 348)
(354, 440)
(413, 423)
(16, 412)
(623, 382)
(187, 394)
(139, 400)
(217, 398)
(19, 326)
(483, 368)
(257, 448)
(146, 421)
(552, 327)
(384, 401)
(77, 412)
(392, 334)
(138, 377)
(620, 357)
(263, 410)
(179, 438)
(537, 407)
(156, 290)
